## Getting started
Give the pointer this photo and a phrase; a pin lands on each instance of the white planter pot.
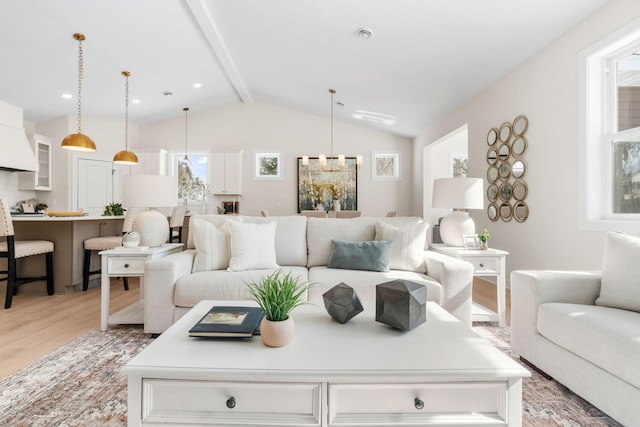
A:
(277, 334)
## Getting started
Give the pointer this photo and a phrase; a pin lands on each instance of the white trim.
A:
(594, 100)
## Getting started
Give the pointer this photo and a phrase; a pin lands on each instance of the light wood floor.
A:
(38, 324)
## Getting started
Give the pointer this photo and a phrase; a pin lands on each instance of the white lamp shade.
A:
(458, 193)
(150, 191)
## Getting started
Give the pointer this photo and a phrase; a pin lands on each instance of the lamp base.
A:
(153, 228)
(454, 226)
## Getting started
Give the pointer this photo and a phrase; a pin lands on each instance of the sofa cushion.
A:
(364, 282)
(224, 285)
(321, 231)
(606, 337)
(408, 244)
(253, 246)
(365, 255)
(291, 237)
(217, 220)
(620, 286)
(212, 246)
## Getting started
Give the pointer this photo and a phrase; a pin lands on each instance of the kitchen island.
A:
(68, 234)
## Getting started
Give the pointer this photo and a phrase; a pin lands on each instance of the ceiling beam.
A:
(210, 30)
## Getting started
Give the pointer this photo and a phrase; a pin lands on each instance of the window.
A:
(610, 132)
(192, 175)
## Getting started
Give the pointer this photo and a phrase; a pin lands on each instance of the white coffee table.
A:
(361, 373)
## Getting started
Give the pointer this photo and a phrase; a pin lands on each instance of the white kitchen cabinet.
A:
(150, 162)
(226, 172)
(41, 180)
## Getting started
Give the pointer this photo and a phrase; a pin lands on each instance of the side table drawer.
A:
(466, 403)
(481, 265)
(224, 403)
(124, 266)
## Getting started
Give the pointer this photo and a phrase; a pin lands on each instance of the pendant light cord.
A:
(186, 127)
(126, 75)
(80, 37)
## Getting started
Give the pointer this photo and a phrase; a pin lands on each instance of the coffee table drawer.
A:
(466, 403)
(124, 265)
(223, 403)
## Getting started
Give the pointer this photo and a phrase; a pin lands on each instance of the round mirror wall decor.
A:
(520, 211)
(504, 134)
(492, 192)
(507, 189)
(492, 212)
(492, 136)
(492, 174)
(520, 125)
(506, 213)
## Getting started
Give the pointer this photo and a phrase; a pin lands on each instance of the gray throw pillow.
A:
(365, 255)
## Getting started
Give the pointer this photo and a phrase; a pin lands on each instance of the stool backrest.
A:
(177, 216)
(127, 225)
(6, 225)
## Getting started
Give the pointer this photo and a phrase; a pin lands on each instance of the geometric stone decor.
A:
(342, 302)
(401, 304)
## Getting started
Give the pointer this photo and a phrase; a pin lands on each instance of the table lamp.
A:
(150, 191)
(459, 194)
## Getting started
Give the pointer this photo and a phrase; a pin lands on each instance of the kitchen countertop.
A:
(16, 218)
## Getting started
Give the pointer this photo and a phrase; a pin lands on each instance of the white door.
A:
(95, 185)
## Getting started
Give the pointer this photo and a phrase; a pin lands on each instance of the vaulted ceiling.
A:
(424, 59)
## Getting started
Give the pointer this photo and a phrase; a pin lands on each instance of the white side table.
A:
(127, 262)
(486, 263)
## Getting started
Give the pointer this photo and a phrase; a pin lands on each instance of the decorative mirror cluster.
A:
(507, 189)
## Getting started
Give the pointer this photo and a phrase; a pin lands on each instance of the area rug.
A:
(80, 385)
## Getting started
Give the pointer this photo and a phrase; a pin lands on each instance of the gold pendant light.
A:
(186, 127)
(79, 141)
(126, 157)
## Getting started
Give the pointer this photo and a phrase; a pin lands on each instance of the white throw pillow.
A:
(407, 250)
(620, 285)
(212, 246)
(253, 246)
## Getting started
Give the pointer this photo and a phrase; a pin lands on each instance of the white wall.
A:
(262, 127)
(545, 89)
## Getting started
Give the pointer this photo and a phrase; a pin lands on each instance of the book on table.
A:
(229, 322)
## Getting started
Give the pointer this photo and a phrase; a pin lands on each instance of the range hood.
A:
(17, 155)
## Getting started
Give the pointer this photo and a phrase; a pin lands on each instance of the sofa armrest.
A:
(530, 288)
(456, 277)
(160, 276)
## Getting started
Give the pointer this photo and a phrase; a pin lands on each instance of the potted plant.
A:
(113, 209)
(484, 239)
(277, 294)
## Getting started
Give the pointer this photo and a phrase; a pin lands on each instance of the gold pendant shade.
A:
(125, 157)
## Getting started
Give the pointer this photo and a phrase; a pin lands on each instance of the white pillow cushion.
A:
(407, 249)
(253, 246)
(217, 220)
(620, 285)
(212, 245)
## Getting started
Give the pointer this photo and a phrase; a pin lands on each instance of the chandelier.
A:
(327, 163)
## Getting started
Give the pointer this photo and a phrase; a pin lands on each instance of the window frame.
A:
(598, 130)
(175, 156)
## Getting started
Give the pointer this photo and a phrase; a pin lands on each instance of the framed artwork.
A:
(318, 186)
(231, 207)
(459, 165)
(267, 166)
(471, 241)
(385, 165)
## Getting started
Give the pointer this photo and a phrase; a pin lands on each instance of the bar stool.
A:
(13, 250)
(102, 244)
(176, 223)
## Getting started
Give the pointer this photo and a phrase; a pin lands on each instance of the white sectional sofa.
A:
(583, 328)
(254, 247)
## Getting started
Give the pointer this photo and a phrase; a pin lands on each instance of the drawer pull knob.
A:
(231, 402)
(481, 265)
(126, 266)
(419, 404)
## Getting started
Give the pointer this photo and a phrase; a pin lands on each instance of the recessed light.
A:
(67, 96)
(135, 101)
(197, 85)
(365, 33)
